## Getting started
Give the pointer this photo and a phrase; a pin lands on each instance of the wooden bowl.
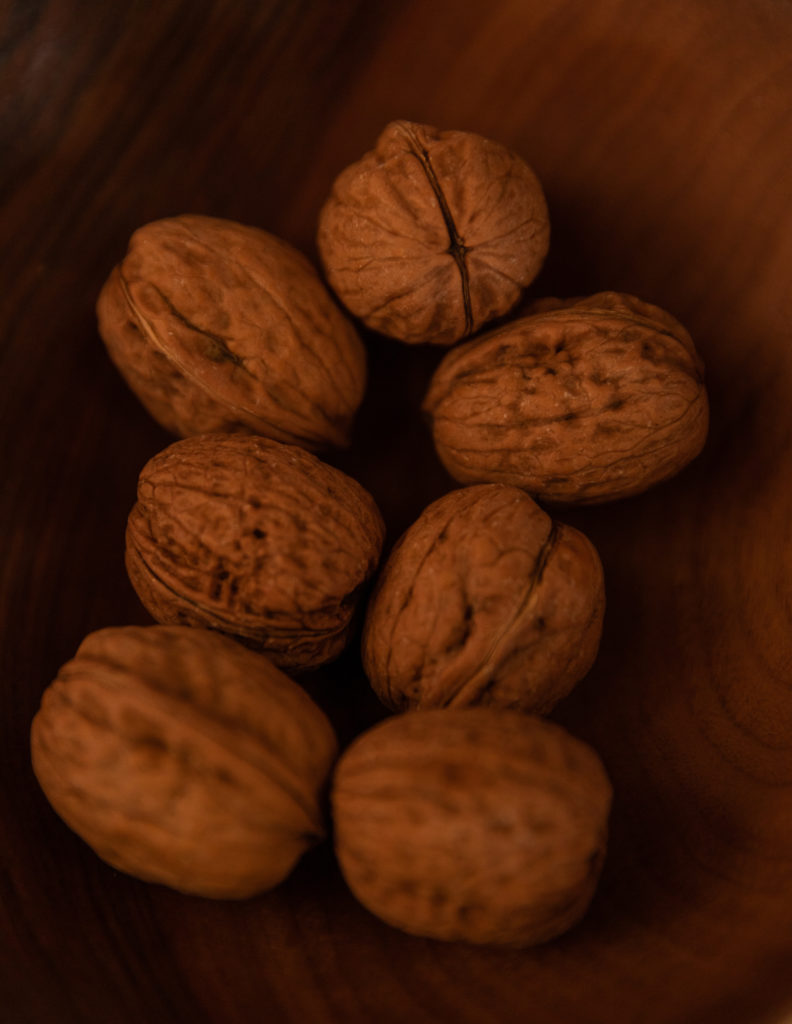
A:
(662, 133)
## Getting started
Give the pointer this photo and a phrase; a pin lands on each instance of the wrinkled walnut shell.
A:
(433, 233)
(217, 326)
(257, 539)
(182, 758)
(484, 600)
(473, 824)
(585, 401)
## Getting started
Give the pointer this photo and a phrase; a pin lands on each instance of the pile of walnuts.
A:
(182, 752)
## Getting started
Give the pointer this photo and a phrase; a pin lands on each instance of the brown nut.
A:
(484, 600)
(257, 539)
(182, 758)
(473, 824)
(433, 233)
(585, 401)
(217, 326)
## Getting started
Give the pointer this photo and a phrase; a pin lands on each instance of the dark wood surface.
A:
(662, 133)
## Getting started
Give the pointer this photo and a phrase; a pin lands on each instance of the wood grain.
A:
(661, 132)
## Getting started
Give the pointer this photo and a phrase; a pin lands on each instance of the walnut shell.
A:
(217, 326)
(473, 824)
(182, 758)
(433, 233)
(257, 539)
(484, 600)
(585, 401)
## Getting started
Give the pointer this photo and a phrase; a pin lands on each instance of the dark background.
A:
(661, 132)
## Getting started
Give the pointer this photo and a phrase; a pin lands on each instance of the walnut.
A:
(433, 233)
(182, 758)
(484, 600)
(585, 401)
(473, 824)
(254, 538)
(217, 326)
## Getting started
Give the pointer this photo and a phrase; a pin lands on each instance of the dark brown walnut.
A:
(182, 758)
(474, 824)
(217, 326)
(484, 600)
(584, 401)
(254, 538)
(433, 233)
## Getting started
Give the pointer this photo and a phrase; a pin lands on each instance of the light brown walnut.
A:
(217, 326)
(182, 758)
(586, 400)
(473, 824)
(433, 233)
(257, 539)
(484, 600)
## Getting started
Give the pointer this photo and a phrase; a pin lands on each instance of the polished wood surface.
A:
(662, 133)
